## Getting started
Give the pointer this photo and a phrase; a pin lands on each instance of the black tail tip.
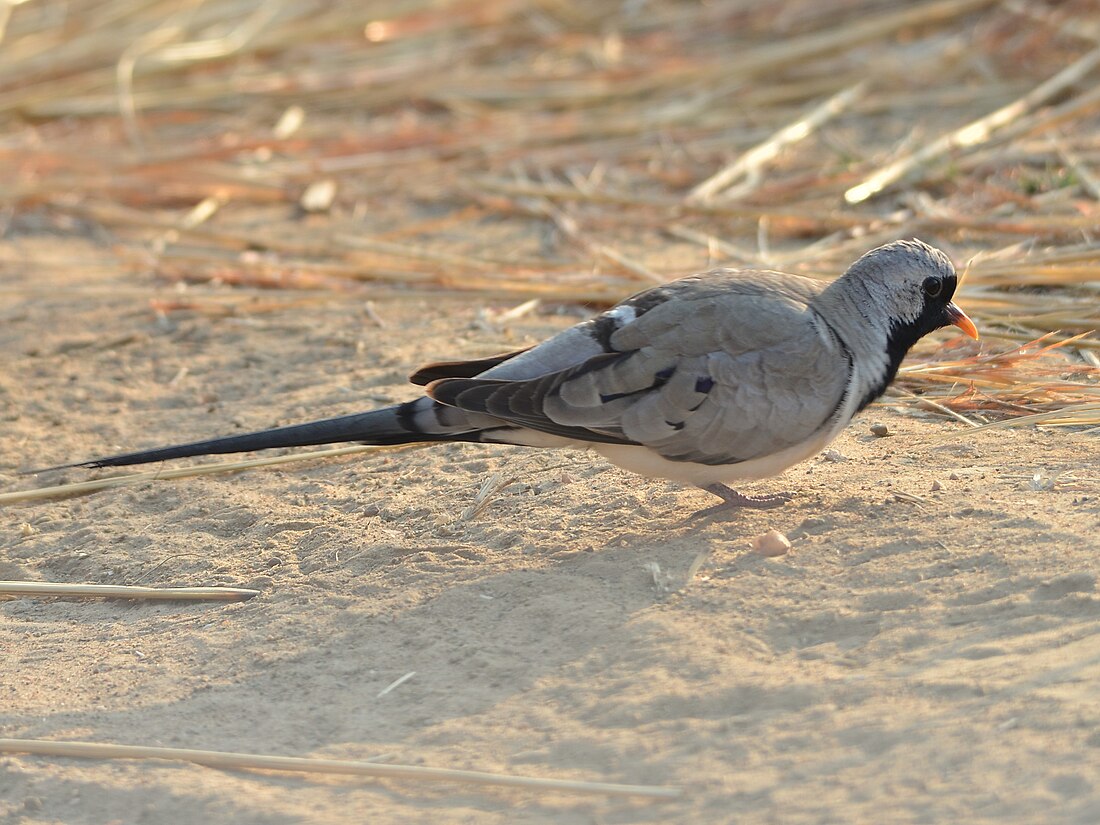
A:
(90, 465)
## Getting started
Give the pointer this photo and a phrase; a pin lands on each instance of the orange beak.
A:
(960, 319)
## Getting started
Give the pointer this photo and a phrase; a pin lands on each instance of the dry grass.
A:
(67, 590)
(344, 767)
(575, 152)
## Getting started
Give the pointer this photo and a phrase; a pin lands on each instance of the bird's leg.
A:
(733, 500)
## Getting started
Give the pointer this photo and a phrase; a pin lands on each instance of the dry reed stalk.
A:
(1080, 168)
(489, 489)
(395, 684)
(975, 132)
(928, 403)
(1071, 415)
(632, 110)
(419, 253)
(1087, 29)
(81, 488)
(715, 245)
(829, 220)
(1017, 383)
(346, 767)
(718, 184)
(1079, 342)
(796, 50)
(118, 591)
(567, 224)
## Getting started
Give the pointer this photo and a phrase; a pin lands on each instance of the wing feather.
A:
(461, 369)
(731, 370)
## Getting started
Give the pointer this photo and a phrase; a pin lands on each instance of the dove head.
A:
(911, 284)
(899, 292)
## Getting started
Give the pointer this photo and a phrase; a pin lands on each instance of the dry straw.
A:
(414, 773)
(569, 152)
(120, 591)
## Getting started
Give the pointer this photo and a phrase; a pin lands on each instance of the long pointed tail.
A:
(419, 420)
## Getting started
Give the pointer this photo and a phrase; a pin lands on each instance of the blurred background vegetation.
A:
(568, 151)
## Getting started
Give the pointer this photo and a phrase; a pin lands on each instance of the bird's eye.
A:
(933, 287)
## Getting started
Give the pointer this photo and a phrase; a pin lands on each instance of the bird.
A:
(716, 378)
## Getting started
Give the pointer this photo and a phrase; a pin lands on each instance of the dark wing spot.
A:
(704, 384)
(615, 396)
(645, 301)
(460, 369)
(676, 425)
(601, 329)
(659, 380)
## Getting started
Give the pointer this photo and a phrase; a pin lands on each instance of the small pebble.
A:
(936, 486)
(834, 456)
(318, 196)
(771, 544)
(880, 430)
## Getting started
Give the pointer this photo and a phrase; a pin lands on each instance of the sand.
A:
(926, 652)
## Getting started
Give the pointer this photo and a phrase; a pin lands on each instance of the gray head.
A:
(902, 291)
(910, 285)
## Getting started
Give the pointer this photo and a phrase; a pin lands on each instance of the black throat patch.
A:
(902, 337)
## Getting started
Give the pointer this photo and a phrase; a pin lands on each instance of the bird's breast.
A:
(647, 462)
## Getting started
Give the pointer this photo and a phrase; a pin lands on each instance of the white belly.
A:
(645, 462)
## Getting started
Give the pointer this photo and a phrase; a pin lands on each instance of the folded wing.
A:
(693, 379)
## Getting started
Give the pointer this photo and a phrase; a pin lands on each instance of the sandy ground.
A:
(931, 659)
